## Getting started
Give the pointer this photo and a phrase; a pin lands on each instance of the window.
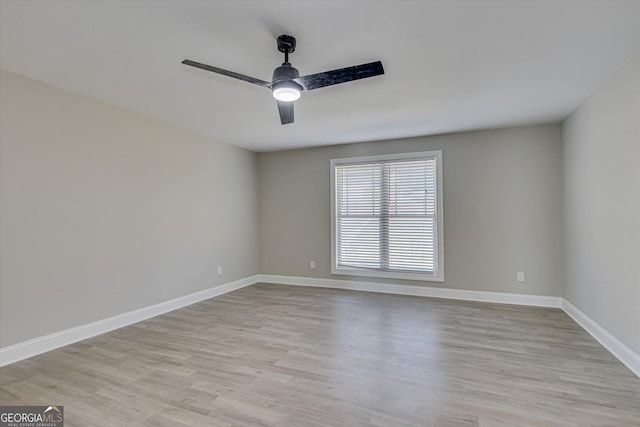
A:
(387, 216)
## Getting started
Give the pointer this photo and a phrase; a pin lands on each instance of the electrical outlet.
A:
(520, 277)
(312, 265)
(219, 269)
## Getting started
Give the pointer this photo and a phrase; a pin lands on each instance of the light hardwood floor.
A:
(293, 356)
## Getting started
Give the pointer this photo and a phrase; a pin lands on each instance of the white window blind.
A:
(386, 215)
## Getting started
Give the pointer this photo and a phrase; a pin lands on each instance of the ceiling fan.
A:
(287, 84)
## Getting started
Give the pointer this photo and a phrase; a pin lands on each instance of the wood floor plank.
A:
(278, 355)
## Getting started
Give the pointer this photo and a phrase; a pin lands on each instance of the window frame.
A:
(438, 276)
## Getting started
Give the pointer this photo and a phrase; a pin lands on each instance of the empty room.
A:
(319, 213)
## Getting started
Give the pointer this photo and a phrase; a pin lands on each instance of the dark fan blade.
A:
(343, 75)
(286, 112)
(226, 73)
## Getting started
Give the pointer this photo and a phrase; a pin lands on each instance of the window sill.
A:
(423, 277)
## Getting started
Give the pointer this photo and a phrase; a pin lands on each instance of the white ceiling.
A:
(450, 66)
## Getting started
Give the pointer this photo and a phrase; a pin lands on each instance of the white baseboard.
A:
(26, 349)
(423, 291)
(623, 353)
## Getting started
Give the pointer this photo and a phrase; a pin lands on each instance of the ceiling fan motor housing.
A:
(284, 88)
(285, 72)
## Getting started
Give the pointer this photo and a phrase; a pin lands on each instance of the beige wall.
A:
(104, 211)
(502, 208)
(602, 206)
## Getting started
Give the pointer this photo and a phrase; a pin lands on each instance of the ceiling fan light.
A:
(286, 92)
